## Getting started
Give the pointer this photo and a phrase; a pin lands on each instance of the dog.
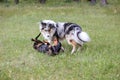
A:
(45, 47)
(64, 30)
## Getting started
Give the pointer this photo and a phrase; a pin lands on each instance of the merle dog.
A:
(72, 32)
(45, 47)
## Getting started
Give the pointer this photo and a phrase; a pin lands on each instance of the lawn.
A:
(98, 59)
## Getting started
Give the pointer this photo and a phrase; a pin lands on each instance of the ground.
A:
(98, 59)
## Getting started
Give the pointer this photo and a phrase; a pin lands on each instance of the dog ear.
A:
(43, 24)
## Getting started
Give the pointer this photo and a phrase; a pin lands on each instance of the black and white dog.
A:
(64, 30)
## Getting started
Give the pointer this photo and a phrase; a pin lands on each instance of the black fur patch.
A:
(56, 35)
(67, 25)
(43, 24)
(51, 26)
(71, 26)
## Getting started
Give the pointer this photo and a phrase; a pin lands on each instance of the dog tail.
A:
(32, 39)
(83, 36)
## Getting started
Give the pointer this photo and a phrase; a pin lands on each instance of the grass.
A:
(98, 60)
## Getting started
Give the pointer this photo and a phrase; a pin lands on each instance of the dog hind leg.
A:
(74, 44)
(79, 48)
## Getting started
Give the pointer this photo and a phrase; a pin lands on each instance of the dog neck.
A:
(56, 35)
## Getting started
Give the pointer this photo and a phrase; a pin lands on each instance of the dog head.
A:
(48, 29)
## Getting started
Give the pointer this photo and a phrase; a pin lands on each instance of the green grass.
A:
(98, 60)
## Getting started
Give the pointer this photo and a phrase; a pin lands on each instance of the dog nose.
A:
(48, 36)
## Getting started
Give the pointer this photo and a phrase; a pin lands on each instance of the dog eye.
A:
(51, 25)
